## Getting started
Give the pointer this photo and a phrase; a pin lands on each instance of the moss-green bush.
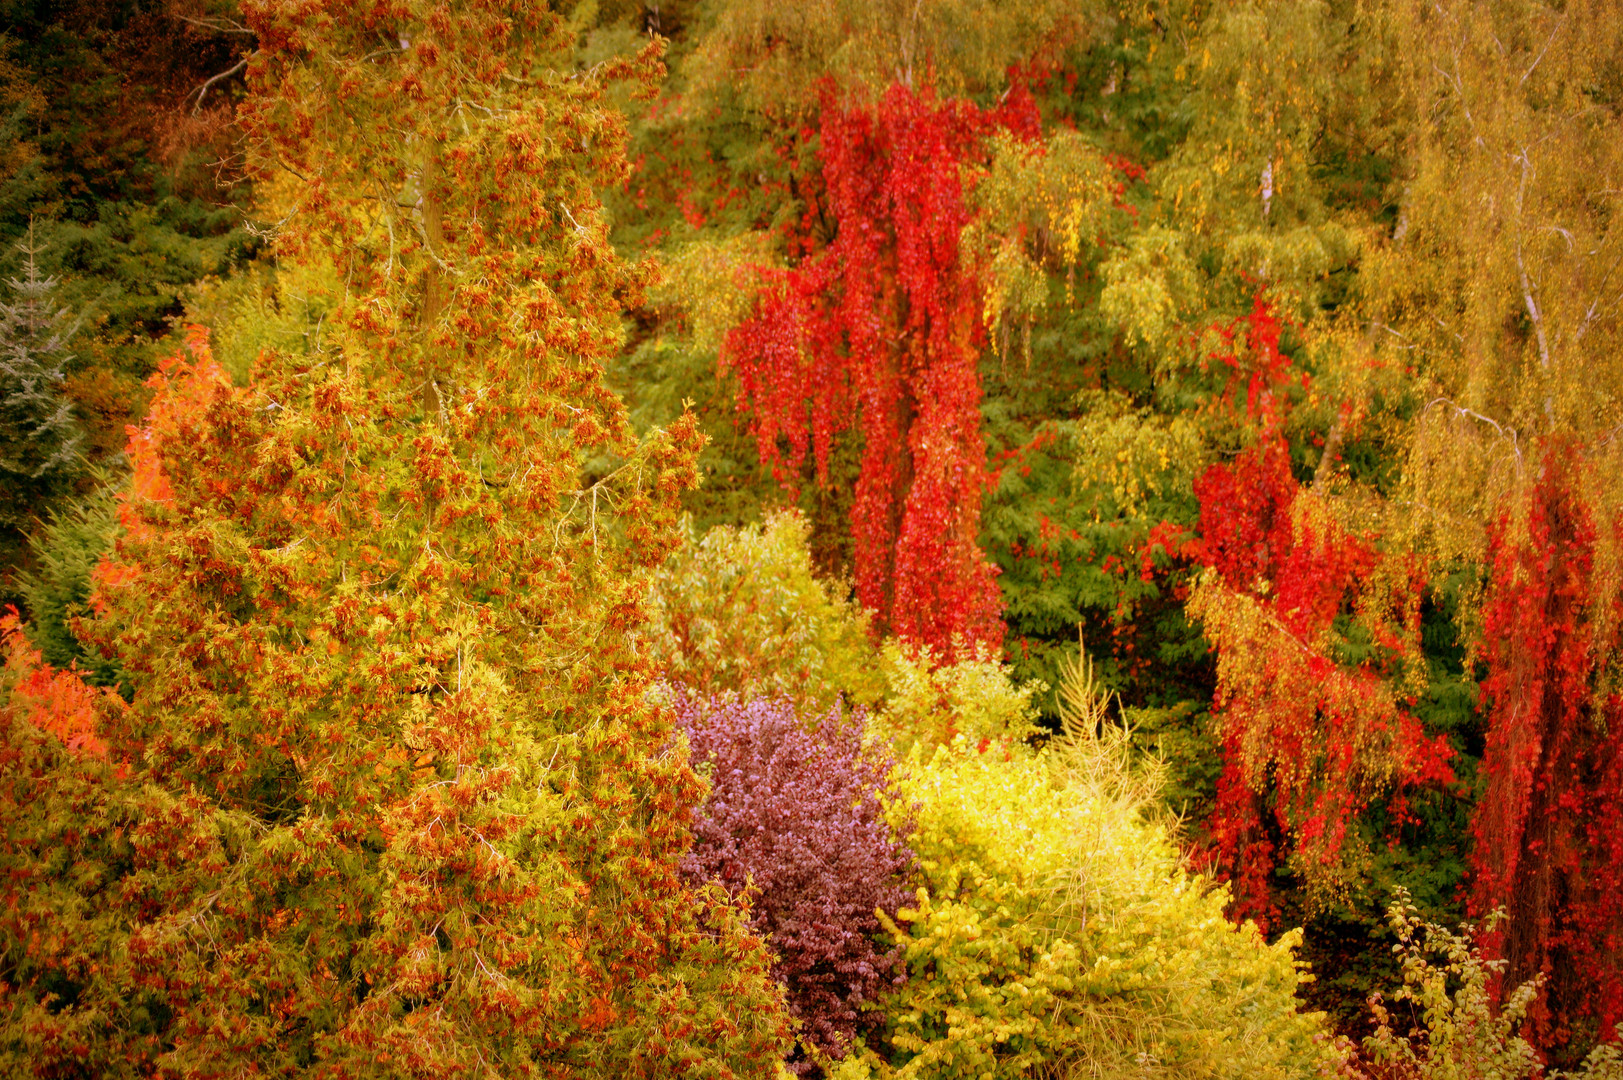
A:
(56, 589)
(740, 611)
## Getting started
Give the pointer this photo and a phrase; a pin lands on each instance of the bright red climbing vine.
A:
(1312, 737)
(1308, 738)
(881, 328)
(1549, 828)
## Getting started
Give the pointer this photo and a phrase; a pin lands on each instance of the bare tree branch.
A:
(201, 91)
(219, 26)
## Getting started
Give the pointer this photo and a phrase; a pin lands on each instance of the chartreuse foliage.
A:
(739, 611)
(1055, 932)
(1052, 930)
(390, 797)
(1448, 1021)
(929, 703)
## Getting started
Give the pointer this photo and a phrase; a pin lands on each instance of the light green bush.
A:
(1448, 1025)
(741, 611)
(927, 705)
(1056, 933)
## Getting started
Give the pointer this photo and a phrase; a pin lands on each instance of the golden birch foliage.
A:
(1043, 205)
(1150, 288)
(716, 283)
(777, 53)
(1237, 204)
(1503, 281)
(1503, 293)
(1239, 191)
(1258, 87)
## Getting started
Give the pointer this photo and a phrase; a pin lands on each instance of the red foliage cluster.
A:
(882, 328)
(1549, 828)
(1314, 738)
(57, 702)
(1251, 353)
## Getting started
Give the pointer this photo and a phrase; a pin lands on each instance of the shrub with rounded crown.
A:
(797, 816)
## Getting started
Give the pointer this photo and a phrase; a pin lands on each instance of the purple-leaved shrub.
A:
(798, 812)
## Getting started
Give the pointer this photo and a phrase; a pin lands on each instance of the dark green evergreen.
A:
(40, 440)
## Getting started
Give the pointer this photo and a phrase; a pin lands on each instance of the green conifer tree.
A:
(39, 437)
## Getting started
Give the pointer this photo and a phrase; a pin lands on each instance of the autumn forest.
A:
(862, 539)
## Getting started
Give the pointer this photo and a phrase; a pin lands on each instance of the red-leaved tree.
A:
(1549, 828)
(1308, 739)
(881, 329)
(1311, 738)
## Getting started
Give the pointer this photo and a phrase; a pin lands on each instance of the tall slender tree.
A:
(882, 327)
(39, 437)
(1504, 290)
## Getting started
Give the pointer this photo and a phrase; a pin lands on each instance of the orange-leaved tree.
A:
(388, 798)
